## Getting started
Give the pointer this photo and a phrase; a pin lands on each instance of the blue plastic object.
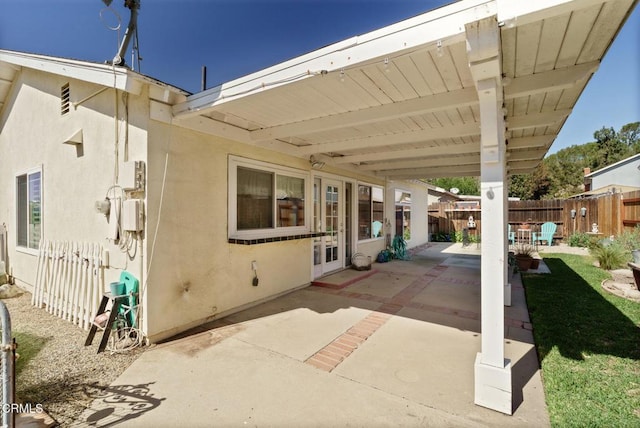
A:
(117, 288)
(547, 231)
(131, 285)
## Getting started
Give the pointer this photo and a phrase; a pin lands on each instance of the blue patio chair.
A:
(377, 226)
(512, 236)
(547, 230)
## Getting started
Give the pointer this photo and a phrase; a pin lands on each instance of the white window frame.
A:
(233, 232)
(357, 219)
(410, 205)
(27, 173)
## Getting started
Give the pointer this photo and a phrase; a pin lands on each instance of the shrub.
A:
(579, 239)
(399, 248)
(610, 255)
(440, 237)
(524, 250)
(458, 236)
(629, 239)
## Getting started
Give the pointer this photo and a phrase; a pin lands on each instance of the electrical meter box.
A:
(132, 175)
(132, 215)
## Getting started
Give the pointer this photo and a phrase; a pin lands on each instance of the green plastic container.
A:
(131, 286)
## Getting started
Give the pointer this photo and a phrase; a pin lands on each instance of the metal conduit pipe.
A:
(133, 5)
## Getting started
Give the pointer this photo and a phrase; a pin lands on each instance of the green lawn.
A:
(28, 346)
(588, 343)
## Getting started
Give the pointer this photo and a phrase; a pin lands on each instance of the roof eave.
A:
(117, 77)
(445, 25)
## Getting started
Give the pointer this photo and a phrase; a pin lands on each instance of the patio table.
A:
(524, 236)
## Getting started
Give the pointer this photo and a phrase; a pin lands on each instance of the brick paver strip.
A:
(330, 356)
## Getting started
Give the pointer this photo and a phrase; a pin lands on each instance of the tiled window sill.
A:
(274, 239)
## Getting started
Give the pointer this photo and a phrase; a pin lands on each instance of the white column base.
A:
(507, 294)
(493, 386)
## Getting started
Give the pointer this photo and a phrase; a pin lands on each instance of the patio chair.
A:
(547, 230)
(377, 227)
(512, 236)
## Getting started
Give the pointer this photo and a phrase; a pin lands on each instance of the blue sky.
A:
(237, 37)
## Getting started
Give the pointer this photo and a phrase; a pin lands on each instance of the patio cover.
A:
(401, 102)
(476, 88)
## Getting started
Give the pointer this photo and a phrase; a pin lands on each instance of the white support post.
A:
(493, 387)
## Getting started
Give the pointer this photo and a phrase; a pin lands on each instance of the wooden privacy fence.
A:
(69, 280)
(612, 213)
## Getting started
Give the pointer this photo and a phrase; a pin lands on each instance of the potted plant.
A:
(526, 225)
(535, 263)
(523, 254)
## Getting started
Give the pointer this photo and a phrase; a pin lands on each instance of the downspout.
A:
(133, 5)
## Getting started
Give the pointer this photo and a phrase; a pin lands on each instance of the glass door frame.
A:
(319, 184)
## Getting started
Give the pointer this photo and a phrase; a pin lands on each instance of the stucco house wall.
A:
(623, 173)
(74, 177)
(195, 273)
(419, 209)
(189, 271)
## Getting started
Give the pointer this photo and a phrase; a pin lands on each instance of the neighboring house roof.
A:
(605, 190)
(613, 166)
(442, 192)
(107, 75)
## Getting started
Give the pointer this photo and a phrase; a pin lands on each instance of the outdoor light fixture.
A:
(573, 213)
(315, 163)
(583, 212)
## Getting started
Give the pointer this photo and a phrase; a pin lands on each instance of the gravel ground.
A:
(65, 375)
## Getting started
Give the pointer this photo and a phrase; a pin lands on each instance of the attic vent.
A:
(64, 99)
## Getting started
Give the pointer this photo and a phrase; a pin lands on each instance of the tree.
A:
(521, 186)
(565, 169)
(629, 135)
(466, 185)
(530, 186)
(610, 147)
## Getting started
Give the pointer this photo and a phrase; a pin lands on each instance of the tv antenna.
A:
(130, 33)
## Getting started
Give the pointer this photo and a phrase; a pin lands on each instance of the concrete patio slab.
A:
(235, 384)
(391, 349)
(384, 284)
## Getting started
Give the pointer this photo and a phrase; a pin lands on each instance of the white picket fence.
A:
(69, 280)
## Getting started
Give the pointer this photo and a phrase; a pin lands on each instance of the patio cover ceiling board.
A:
(413, 112)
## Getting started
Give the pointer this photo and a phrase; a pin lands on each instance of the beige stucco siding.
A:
(73, 177)
(419, 209)
(189, 271)
(195, 274)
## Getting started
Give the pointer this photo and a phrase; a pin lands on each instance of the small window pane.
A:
(364, 212)
(35, 212)
(370, 212)
(22, 211)
(29, 210)
(254, 199)
(403, 214)
(290, 194)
